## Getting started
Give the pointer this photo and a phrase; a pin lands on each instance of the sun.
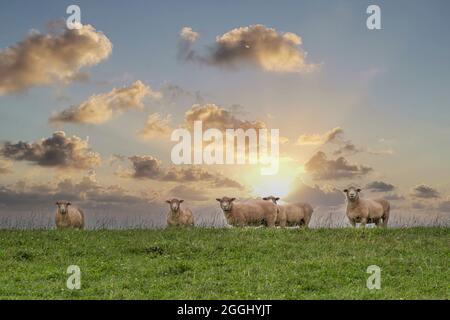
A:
(279, 185)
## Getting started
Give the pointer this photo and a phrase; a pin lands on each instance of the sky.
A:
(86, 115)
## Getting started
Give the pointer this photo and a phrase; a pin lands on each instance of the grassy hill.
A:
(226, 263)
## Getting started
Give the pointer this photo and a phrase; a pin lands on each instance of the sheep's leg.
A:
(385, 220)
(302, 224)
(363, 223)
(353, 223)
(307, 220)
(270, 222)
(377, 222)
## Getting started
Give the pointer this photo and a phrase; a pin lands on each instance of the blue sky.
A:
(387, 89)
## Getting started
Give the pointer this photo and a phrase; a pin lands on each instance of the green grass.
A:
(226, 263)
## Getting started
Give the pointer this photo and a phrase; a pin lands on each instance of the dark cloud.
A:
(380, 186)
(47, 59)
(57, 151)
(424, 192)
(87, 191)
(348, 148)
(324, 169)
(254, 45)
(172, 93)
(315, 195)
(148, 167)
(444, 206)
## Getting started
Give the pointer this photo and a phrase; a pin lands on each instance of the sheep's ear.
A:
(218, 199)
(358, 190)
(232, 199)
(69, 203)
(345, 190)
(265, 198)
(277, 198)
(168, 201)
(181, 200)
(57, 203)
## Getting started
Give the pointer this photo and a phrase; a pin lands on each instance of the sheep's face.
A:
(226, 204)
(175, 204)
(352, 193)
(63, 206)
(272, 198)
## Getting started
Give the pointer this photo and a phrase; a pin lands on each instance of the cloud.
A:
(211, 115)
(102, 107)
(57, 151)
(255, 45)
(320, 139)
(345, 147)
(323, 169)
(187, 193)
(87, 191)
(149, 167)
(187, 39)
(5, 167)
(418, 205)
(348, 148)
(188, 34)
(380, 186)
(381, 152)
(316, 195)
(156, 126)
(214, 116)
(48, 59)
(424, 192)
(116, 158)
(224, 182)
(196, 174)
(145, 167)
(187, 174)
(173, 93)
(394, 197)
(444, 206)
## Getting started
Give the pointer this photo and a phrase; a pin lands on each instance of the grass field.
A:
(226, 263)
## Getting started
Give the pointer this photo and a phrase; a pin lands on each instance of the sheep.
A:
(292, 214)
(366, 210)
(250, 212)
(179, 216)
(68, 217)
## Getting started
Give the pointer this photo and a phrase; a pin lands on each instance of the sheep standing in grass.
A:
(250, 212)
(178, 216)
(68, 216)
(292, 214)
(366, 210)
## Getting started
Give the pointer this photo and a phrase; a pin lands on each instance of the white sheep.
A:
(179, 216)
(292, 214)
(250, 212)
(68, 216)
(366, 210)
